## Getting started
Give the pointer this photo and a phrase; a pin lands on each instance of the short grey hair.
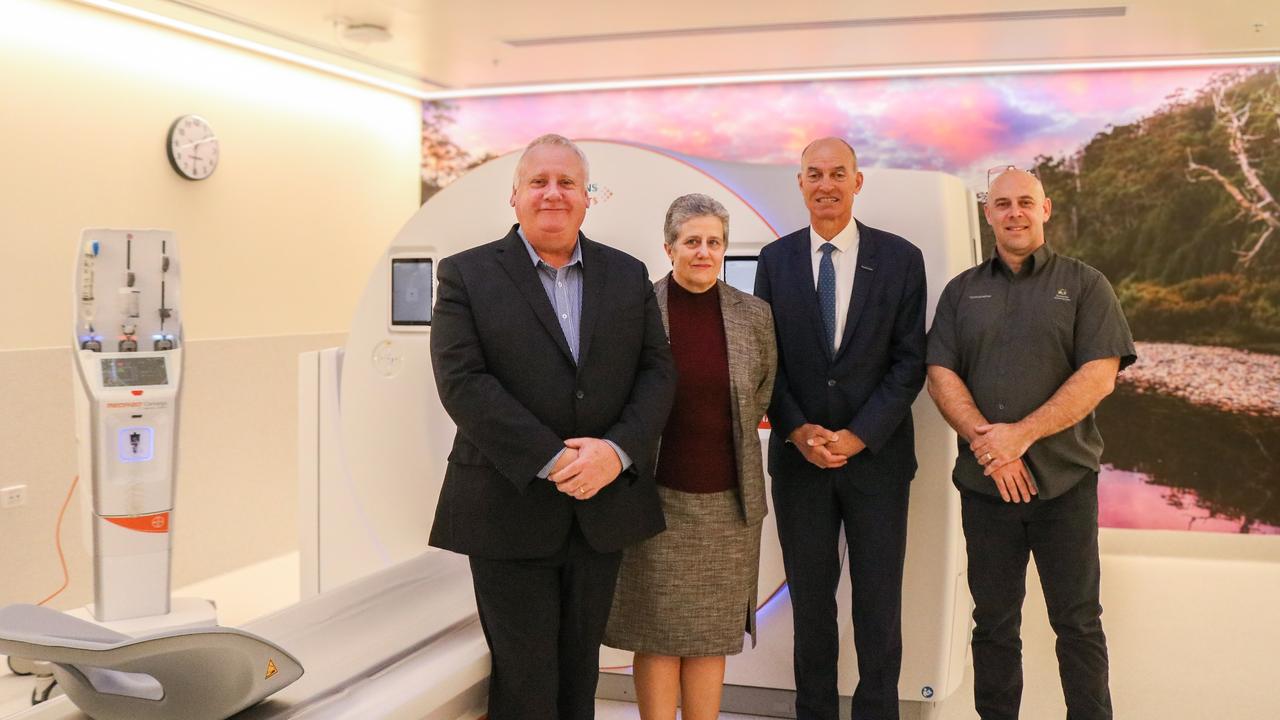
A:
(687, 207)
(551, 139)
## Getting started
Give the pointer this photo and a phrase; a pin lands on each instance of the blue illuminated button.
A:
(135, 444)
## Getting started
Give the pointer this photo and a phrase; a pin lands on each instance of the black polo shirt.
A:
(1014, 340)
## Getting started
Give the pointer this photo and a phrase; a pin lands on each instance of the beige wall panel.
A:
(237, 464)
(317, 174)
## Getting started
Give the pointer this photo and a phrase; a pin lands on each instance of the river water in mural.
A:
(1172, 465)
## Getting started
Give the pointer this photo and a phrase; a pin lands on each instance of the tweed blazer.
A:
(753, 362)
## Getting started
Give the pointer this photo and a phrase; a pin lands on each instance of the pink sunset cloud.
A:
(958, 125)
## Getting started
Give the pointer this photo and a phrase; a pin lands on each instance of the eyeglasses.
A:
(999, 170)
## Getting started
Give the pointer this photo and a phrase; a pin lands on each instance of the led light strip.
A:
(846, 24)
(853, 74)
(253, 46)
(677, 81)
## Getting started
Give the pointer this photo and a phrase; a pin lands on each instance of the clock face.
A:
(192, 147)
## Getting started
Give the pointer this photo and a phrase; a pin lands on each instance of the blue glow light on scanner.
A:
(779, 597)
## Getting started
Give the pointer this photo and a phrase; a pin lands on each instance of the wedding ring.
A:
(987, 457)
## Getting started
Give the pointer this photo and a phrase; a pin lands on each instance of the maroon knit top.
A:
(697, 452)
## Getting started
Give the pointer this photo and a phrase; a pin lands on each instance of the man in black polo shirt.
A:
(1023, 348)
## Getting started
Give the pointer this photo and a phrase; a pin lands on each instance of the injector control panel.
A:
(128, 348)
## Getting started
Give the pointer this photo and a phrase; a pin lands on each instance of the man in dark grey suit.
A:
(550, 357)
(848, 307)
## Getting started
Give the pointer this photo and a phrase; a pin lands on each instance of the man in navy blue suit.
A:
(848, 304)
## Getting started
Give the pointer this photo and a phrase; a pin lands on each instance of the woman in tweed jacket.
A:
(686, 597)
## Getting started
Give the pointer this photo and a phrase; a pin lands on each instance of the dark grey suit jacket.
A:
(508, 380)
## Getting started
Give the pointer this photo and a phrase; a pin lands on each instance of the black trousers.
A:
(810, 511)
(1062, 534)
(544, 620)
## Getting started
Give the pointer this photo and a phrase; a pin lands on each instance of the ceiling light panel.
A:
(1113, 11)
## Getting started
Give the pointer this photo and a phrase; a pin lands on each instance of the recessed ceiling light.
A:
(365, 33)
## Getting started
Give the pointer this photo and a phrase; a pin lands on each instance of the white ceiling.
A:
(455, 44)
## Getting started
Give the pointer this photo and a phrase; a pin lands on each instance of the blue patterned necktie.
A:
(827, 293)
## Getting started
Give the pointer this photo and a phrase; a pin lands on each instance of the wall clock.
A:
(192, 147)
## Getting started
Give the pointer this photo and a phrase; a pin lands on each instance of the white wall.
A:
(316, 176)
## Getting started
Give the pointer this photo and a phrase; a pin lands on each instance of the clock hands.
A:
(211, 138)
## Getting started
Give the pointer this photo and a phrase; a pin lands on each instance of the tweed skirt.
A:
(689, 591)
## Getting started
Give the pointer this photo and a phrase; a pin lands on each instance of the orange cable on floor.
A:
(57, 539)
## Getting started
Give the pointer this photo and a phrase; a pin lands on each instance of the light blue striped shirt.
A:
(564, 289)
(563, 286)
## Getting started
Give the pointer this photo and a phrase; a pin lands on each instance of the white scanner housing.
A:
(373, 436)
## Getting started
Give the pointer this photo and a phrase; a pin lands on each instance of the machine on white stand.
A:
(366, 646)
(127, 348)
(133, 653)
(128, 360)
(373, 436)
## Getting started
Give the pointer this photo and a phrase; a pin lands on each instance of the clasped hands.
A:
(998, 448)
(585, 467)
(825, 448)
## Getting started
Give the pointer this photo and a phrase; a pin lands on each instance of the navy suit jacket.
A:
(869, 385)
(507, 378)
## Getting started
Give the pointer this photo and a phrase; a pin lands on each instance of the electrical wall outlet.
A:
(13, 496)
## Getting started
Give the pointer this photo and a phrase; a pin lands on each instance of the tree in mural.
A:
(1256, 201)
(1178, 209)
(443, 160)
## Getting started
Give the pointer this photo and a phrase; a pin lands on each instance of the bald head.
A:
(830, 143)
(1016, 181)
(1017, 209)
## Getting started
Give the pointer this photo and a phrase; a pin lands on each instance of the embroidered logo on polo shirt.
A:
(1062, 295)
(979, 297)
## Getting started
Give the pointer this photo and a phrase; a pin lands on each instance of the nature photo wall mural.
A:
(1165, 180)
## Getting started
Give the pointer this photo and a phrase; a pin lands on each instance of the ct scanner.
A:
(374, 435)
(387, 627)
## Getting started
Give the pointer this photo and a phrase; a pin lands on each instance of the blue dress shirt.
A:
(563, 286)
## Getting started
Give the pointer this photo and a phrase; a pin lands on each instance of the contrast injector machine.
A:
(128, 341)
